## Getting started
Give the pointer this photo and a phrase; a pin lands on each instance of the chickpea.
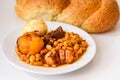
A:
(72, 41)
(37, 55)
(37, 59)
(27, 55)
(44, 51)
(80, 51)
(54, 66)
(70, 48)
(75, 36)
(67, 35)
(19, 54)
(52, 40)
(37, 63)
(76, 47)
(58, 47)
(65, 44)
(32, 59)
(24, 58)
(84, 43)
(49, 47)
(60, 44)
(46, 65)
(83, 49)
(27, 62)
(69, 43)
(64, 48)
(60, 40)
(16, 49)
(71, 34)
(55, 43)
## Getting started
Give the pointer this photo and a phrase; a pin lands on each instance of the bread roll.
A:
(94, 16)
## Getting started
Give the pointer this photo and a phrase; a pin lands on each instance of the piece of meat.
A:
(57, 57)
(62, 56)
(58, 33)
(69, 56)
(55, 34)
(50, 59)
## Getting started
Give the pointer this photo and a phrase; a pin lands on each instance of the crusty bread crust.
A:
(40, 9)
(94, 16)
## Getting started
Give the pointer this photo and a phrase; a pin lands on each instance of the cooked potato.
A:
(37, 26)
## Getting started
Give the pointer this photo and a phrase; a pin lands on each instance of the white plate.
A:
(9, 43)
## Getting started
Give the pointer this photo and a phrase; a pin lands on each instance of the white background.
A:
(104, 66)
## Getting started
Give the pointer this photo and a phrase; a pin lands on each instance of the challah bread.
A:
(94, 16)
(40, 9)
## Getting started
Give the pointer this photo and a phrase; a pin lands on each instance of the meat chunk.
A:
(62, 56)
(58, 33)
(69, 56)
(50, 59)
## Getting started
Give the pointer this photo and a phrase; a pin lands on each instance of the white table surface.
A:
(104, 66)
